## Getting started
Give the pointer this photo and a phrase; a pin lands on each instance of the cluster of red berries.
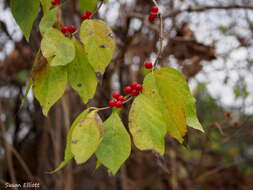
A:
(55, 2)
(86, 15)
(117, 100)
(66, 30)
(153, 13)
(148, 65)
(134, 89)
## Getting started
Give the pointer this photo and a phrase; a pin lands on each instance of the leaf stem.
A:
(107, 107)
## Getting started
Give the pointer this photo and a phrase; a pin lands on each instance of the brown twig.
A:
(8, 154)
(206, 8)
(160, 36)
(97, 9)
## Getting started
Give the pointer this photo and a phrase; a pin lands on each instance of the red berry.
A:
(112, 103)
(55, 2)
(152, 16)
(116, 95)
(121, 99)
(134, 85)
(128, 89)
(118, 104)
(84, 17)
(135, 92)
(139, 87)
(64, 30)
(148, 65)
(154, 9)
(71, 29)
(228, 115)
(88, 13)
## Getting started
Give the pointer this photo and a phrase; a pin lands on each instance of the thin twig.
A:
(97, 9)
(8, 154)
(105, 108)
(160, 36)
(206, 8)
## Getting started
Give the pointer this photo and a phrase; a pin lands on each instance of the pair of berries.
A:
(86, 15)
(134, 89)
(55, 2)
(153, 13)
(148, 65)
(66, 30)
(117, 100)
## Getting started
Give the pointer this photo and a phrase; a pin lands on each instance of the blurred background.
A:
(211, 42)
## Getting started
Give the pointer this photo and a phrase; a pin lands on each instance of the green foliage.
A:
(99, 43)
(57, 47)
(88, 5)
(49, 84)
(166, 107)
(46, 4)
(86, 137)
(48, 20)
(25, 12)
(116, 144)
(81, 75)
(68, 155)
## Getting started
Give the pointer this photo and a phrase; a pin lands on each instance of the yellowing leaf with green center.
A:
(25, 12)
(165, 106)
(49, 84)
(116, 144)
(48, 20)
(81, 75)
(68, 155)
(86, 137)
(46, 4)
(99, 43)
(57, 47)
(88, 5)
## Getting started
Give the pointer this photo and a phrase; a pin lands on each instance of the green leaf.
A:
(46, 4)
(49, 84)
(68, 155)
(57, 47)
(99, 43)
(25, 12)
(86, 137)
(115, 147)
(48, 20)
(81, 75)
(165, 106)
(88, 5)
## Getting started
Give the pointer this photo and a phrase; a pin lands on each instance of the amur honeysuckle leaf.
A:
(88, 5)
(25, 12)
(58, 48)
(165, 106)
(49, 83)
(115, 147)
(48, 20)
(46, 4)
(68, 155)
(81, 75)
(99, 43)
(86, 137)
